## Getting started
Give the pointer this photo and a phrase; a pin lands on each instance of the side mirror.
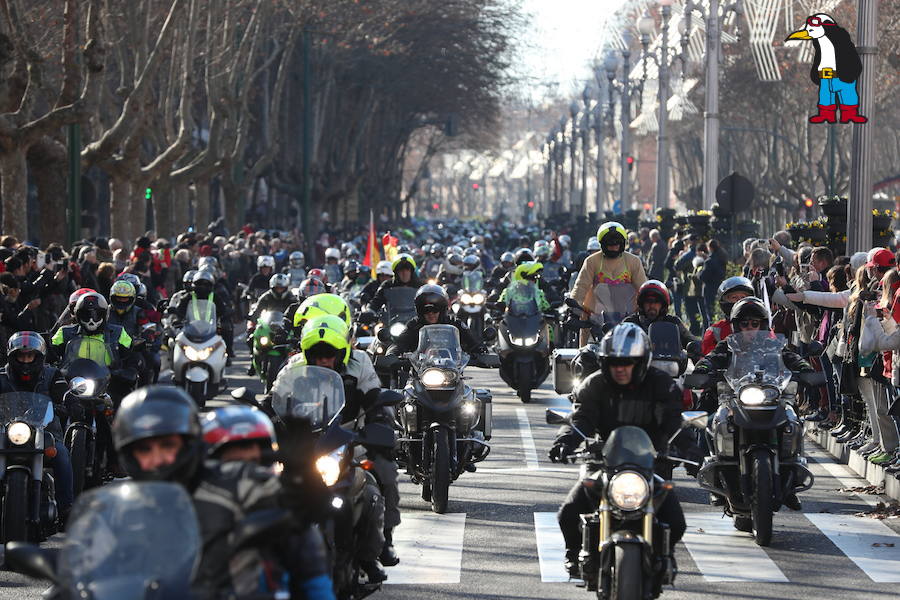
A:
(697, 380)
(162, 305)
(812, 379)
(694, 418)
(389, 398)
(138, 344)
(500, 305)
(694, 348)
(815, 348)
(384, 336)
(377, 434)
(30, 560)
(489, 334)
(573, 303)
(257, 527)
(557, 416)
(555, 304)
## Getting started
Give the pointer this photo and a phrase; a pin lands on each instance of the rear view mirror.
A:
(30, 560)
(558, 416)
(384, 336)
(694, 348)
(377, 434)
(389, 398)
(490, 334)
(572, 303)
(696, 380)
(694, 418)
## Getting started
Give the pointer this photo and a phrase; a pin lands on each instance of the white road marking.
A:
(844, 475)
(522, 470)
(531, 458)
(724, 554)
(430, 548)
(864, 541)
(551, 548)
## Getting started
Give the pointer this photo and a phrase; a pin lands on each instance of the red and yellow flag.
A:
(373, 256)
(390, 246)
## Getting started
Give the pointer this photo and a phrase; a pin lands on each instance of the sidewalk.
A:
(874, 474)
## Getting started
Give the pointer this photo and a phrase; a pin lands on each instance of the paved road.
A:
(500, 540)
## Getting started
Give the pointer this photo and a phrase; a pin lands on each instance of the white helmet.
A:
(384, 268)
(593, 244)
(297, 260)
(281, 280)
(208, 262)
(565, 241)
(265, 261)
(333, 253)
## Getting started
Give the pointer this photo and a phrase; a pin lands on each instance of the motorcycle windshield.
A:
(33, 409)
(272, 320)
(128, 537)
(524, 326)
(200, 320)
(314, 393)
(756, 358)
(522, 299)
(629, 446)
(473, 281)
(92, 348)
(439, 347)
(399, 304)
(665, 341)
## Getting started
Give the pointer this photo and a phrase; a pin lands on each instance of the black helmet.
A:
(26, 341)
(154, 411)
(204, 283)
(507, 259)
(351, 269)
(750, 307)
(471, 262)
(455, 260)
(733, 284)
(90, 312)
(523, 255)
(626, 341)
(431, 295)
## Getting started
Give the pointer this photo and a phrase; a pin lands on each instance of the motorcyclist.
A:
(527, 274)
(730, 291)
(625, 391)
(432, 308)
(91, 320)
(158, 436)
(27, 371)
(593, 245)
(450, 274)
(653, 307)
(296, 268)
(68, 316)
(259, 283)
(507, 262)
(332, 268)
(203, 288)
(434, 262)
(125, 313)
(278, 298)
(404, 269)
(383, 272)
(351, 272)
(239, 433)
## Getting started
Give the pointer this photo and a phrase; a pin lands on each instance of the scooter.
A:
(199, 358)
(524, 343)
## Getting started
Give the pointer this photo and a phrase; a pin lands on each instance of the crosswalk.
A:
(431, 548)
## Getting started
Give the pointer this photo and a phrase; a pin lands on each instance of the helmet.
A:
(528, 271)
(265, 261)
(188, 279)
(122, 296)
(154, 411)
(90, 312)
(626, 340)
(319, 274)
(310, 287)
(471, 251)
(142, 291)
(507, 258)
(403, 261)
(432, 296)
(345, 248)
(352, 252)
(365, 272)
(74, 296)
(565, 241)
(455, 260)
(322, 305)
(25, 341)
(477, 240)
(656, 288)
(279, 280)
(332, 253)
(542, 253)
(733, 284)
(593, 244)
(540, 244)
(750, 307)
(209, 263)
(297, 260)
(609, 234)
(471, 262)
(325, 336)
(351, 269)
(384, 268)
(130, 278)
(235, 424)
(437, 250)
(523, 255)
(204, 283)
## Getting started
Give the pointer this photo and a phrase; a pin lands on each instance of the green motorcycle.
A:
(270, 346)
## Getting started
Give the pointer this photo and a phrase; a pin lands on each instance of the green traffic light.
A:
(148, 194)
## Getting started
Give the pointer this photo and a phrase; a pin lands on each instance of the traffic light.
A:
(808, 202)
(647, 206)
(630, 161)
(435, 206)
(530, 204)
(475, 187)
(148, 194)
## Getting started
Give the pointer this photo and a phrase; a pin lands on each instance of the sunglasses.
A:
(755, 323)
(817, 22)
(621, 362)
(431, 309)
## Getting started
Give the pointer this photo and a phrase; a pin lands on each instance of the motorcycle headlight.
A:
(18, 433)
(525, 341)
(478, 298)
(628, 490)
(466, 299)
(82, 387)
(397, 329)
(264, 341)
(433, 378)
(752, 396)
(469, 408)
(197, 355)
(329, 466)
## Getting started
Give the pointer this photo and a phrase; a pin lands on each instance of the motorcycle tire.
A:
(426, 492)
(762, 499)
(744, 524)
(440, 472)
(15, 516)
(77, 445)
(524, 380)
(628, 577)
(197, 390)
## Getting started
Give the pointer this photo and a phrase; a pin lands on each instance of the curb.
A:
(874, 474)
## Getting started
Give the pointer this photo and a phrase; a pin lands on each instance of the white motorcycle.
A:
(199, 358)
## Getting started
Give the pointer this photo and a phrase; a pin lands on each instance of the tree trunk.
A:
(125, 217)
(14, 190)
(48, 167)
(232, 209)
(201, 205)
(180, 205)
(162, 209)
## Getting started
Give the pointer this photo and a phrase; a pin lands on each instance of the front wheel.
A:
(761, 501)
(15, 506)
(440, 472)
(627, 579)
(78, 450)
(524, 379)
(197, 390)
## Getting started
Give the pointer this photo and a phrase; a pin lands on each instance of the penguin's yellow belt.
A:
(827, 74)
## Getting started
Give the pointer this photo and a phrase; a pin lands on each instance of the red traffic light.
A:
(475, 186)
(808, 202)
(647, 206)
(435, 206)
(630, 161)
(531, 204)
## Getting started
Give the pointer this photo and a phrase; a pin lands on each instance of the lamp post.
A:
(611, 64)
(600, 201)
(573, 143)
(585, 145)
(563, 146)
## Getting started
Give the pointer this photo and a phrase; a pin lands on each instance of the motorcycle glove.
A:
(559, 453)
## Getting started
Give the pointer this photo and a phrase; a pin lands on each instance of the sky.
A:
(563, 37)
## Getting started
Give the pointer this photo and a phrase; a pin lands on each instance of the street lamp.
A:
(585, 144)
(573, 143)
(611, 64)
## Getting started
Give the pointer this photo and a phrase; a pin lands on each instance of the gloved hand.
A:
(559, 453)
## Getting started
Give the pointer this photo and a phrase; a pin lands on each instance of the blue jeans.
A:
(696, 314)
(829, 89)
(62, 476)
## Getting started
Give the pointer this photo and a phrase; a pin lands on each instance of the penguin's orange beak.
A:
(799, 35)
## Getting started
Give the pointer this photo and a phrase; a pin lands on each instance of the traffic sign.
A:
(735, 194)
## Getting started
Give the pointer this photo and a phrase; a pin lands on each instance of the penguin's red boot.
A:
(849, 114)
(827, 114)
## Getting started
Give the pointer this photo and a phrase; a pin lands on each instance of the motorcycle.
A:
(469, 307)
(199, 359)
(317, 394)
(445, 423)
(399, 308)
(524, 344)
(29, 508)
(625, 552)
(755, 437)
(270, 346)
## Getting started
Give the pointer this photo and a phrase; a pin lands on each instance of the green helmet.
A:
(325, 336)
(321, 305)
(528, 271)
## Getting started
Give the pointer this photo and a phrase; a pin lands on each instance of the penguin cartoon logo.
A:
(835, 69)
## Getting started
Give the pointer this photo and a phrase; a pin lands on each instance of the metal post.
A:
(74, 153)
(573, 145)
(711, 115)
(600, 201)
(307, 145)
(859, 210)
(585, 150)
(662, 145)
(625, 190)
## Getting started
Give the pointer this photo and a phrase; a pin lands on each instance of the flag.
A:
(390, 246)
(373, 256)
